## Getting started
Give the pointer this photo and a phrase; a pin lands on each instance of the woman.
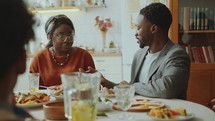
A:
(59, 56)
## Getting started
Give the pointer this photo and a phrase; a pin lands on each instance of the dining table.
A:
(200, 112)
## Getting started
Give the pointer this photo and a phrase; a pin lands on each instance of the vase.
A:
(104, 32)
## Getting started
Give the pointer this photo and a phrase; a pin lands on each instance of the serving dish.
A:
(142, 105)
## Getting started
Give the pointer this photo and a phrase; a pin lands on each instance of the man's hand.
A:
(124, 83)
(104, 82)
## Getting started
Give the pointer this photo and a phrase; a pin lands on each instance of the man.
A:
(16, 30)
(160, 68)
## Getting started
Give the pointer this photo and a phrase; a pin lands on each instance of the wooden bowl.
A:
(54, 111)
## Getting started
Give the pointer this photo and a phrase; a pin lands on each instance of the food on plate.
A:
(31, 98)
(181, 111)
(108, 91)
(142, 105)
(165, 113)
(58, 90)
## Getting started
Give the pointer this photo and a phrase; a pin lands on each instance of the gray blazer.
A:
(169, 75)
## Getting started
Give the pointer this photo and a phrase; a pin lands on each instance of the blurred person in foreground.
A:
(16, 31)
(160, 68)
(59, 56)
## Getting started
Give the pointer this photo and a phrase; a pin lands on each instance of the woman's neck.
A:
(60, 53)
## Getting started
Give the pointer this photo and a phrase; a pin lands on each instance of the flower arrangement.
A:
(103, 24)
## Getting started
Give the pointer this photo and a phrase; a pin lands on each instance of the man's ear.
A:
(21, 62)
(154, 28)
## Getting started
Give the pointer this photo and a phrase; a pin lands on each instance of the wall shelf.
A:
(66, 9)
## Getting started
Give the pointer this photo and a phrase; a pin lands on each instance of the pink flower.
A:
(103, 24)
(97, 18)
(109, 24)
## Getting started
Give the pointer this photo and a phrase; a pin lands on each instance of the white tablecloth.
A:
(201, 112)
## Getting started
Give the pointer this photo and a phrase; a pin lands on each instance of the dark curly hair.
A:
(16, 31)
(53, 23)
(159, 14)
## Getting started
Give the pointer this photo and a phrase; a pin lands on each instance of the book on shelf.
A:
(189, 51)
(195, 54)
(201, 55)
(191, 19)
(197, 18)
(181, 14)
(211, 50)
(206, 19)
(194, 19)
(202, 18)
(211, 18)
(206, 54)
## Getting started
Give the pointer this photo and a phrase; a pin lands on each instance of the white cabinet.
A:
(110, 67)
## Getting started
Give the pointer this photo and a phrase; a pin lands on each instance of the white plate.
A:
(103, 106)
(177, 118)
(49, 92)
(60, 97)
(52, 99)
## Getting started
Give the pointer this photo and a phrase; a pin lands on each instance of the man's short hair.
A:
(16, 30)
(159, 14)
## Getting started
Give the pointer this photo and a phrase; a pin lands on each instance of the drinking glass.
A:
(68, 80)
(81, 95)
(34, 79)
(124, 95)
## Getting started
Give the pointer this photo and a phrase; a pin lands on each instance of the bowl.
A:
(103, 106)
(54, 111)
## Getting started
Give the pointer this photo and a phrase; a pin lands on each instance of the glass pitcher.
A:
(80, 95)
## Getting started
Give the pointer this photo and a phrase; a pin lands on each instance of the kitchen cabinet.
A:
(110, 65)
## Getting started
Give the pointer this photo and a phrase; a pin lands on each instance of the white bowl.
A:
(103, 106)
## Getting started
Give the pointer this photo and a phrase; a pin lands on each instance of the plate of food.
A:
(165, 114)
(142, 105)
(105, 92)
(57, 91)
(28, 100)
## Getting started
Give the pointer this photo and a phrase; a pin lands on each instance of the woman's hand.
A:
(104, 82)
